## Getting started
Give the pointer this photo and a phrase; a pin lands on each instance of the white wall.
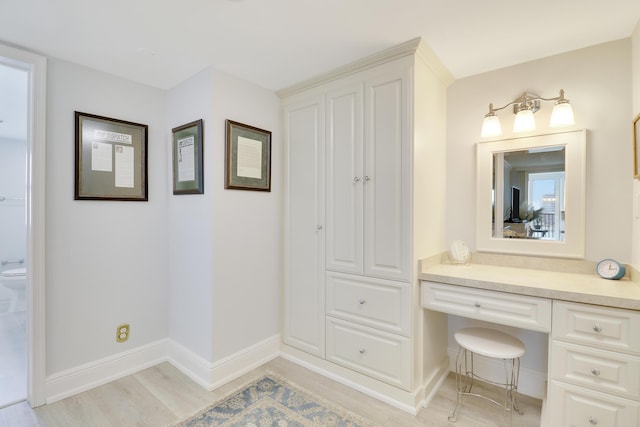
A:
(106, 260)
(225, 244)
(247, 225)
(597, 81)
(191, 226)
(635, 40)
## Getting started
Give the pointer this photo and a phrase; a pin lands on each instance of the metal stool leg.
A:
(465, 376)
(512, 374)
(459, 383)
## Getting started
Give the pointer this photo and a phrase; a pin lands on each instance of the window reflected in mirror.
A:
(533, 194)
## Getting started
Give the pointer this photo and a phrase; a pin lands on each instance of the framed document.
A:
(248, 158)
(187, 159)
(111, 159)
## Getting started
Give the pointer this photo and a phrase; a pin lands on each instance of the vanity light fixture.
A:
(524, 107)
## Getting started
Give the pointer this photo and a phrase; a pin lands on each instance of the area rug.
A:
(273, 402)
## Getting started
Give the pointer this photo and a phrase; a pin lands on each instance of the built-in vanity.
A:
(365, 200)
(593, 324)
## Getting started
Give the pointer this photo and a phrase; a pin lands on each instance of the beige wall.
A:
(597, 81)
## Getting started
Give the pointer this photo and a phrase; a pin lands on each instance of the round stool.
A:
(494, 344)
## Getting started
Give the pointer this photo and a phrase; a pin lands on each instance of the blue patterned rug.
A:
(272, 402)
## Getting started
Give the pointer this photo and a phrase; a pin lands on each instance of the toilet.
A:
(15, 280)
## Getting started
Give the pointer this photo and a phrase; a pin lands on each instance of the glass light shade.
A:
(562, 115)
(491, 126)
(524, 121)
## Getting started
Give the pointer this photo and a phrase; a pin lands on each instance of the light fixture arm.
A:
(527, 101)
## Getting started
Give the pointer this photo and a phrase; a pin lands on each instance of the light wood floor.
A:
(162, 395)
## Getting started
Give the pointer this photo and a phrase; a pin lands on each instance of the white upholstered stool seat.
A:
(493, 344)
(490, 343)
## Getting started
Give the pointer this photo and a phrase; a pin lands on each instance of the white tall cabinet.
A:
(364, 201)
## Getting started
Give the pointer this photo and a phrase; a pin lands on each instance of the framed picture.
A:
(248, 158)
(187, 159)
(636, 149)
(111, 159)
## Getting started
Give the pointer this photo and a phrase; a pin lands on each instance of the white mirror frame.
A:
(573, 245)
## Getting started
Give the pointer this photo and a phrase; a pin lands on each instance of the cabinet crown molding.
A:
(414, 47)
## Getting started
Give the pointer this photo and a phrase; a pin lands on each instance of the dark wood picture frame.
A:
(110, 159)
(188, 164)
(247, 157)
(636, 149)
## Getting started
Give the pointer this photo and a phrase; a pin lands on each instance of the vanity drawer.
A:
(369, 351)
(602, 327)
(382, 304)
(492, 306)
(575, 406)
(599, 369)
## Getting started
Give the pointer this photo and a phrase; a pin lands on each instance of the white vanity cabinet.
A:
(594, 366)
(364, 200)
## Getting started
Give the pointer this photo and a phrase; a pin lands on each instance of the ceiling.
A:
(277, 43)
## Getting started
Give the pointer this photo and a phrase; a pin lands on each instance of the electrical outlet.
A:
(122, 333)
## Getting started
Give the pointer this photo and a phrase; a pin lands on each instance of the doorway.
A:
(546, 192)
(13, 234)
(30, 298)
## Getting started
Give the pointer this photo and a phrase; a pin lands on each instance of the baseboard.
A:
(76, 380)
(212, 375)
(209, 375)
(432, 385)
(532, 383)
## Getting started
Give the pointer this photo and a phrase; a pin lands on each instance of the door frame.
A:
(36, 67)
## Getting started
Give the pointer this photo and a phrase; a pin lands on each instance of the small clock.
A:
(610, 269)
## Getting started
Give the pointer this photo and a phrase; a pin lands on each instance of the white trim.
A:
(189, 363)
(93, 374)
(36, 65)
(402, 50)
(209, 375)
(212, 375)
(532, 383)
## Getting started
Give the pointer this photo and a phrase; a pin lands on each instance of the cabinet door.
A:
(303, 241)
(386, 177)
(344, 180)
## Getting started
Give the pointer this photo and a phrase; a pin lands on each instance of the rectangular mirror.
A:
(531, 195)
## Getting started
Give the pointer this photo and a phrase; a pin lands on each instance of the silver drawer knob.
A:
(597, 328)
(362, 302)
(362, 350)
(366, 178)
(477, 304)
(593, 420)
(595, 371)
(356, 179)
(319, 227)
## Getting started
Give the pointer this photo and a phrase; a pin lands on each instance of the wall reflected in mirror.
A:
(532, 188)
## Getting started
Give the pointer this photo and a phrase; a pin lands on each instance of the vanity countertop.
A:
(567, 286)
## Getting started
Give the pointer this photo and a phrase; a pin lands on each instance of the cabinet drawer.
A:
(603, 370)
(492, 306)
(382, 304)
(603, 327)
(576, 407)
(369, 351)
